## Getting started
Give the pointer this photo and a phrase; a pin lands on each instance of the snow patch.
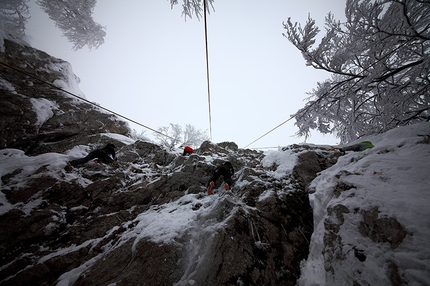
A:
(7, 85)
(43, 109)
(14, 160)
(69, 278)
(165, 223)
(121, 138)
(70, 82)
(265, 195)
(282, 161)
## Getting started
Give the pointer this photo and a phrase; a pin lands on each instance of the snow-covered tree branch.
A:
(193, 7)
(175, 136)
(13, 17)
(74, 18)
(379, 61)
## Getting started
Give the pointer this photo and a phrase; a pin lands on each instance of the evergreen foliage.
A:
(74, 18)
(379, 63)
(13, 17)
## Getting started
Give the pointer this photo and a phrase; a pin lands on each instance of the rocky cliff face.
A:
(35, 117)
(147, 219)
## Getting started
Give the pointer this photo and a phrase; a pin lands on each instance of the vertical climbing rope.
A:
(207, 68)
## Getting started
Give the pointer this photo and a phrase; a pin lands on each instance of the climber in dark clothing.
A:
(104, 155)
(226, 170)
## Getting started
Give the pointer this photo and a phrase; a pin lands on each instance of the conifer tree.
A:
(379, 61)
(13, 17)
(72, 17)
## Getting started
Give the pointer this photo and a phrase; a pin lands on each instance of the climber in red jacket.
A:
(188, 150)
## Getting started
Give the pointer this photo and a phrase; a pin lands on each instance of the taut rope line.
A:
(207, 68)
(83, 99)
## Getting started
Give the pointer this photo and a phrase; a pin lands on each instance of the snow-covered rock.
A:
(371, 214)
(36, 117)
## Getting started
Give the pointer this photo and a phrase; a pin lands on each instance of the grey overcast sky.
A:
(152, 67)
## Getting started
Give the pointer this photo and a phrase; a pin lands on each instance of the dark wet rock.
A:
(382, 229)
(78, 219)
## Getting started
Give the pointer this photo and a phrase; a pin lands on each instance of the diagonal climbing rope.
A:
(292, 116)
(83, 99)
(333, 88)
(207, 68)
